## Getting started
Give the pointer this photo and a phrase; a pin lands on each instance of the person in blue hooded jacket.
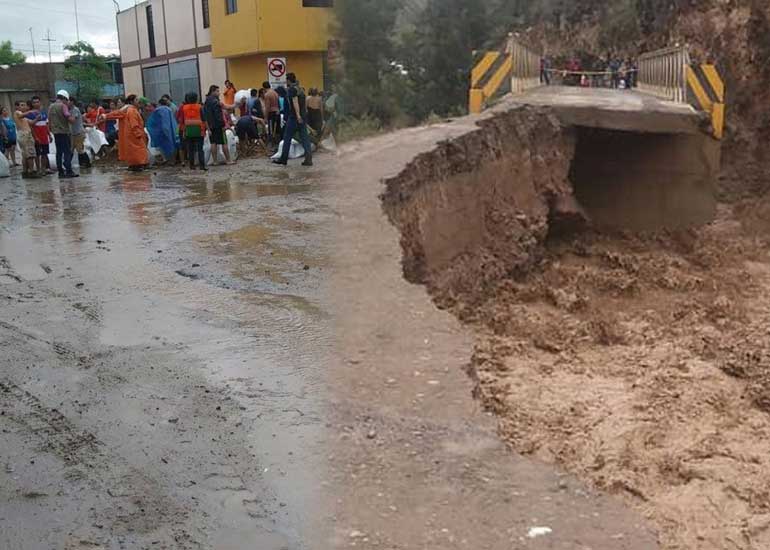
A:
(162, 127)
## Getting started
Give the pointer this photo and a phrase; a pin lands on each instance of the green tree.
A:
(8, 56)
(620, 25)
(438, 53)
(364, 29)
(86, 69)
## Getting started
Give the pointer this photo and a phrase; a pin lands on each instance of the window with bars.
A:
(151, 32)
(231, 6)
(205, 8)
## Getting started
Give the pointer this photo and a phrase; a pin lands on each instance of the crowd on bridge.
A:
(284, 122)
(604, 72)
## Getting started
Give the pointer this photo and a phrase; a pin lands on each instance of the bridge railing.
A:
(516, 65)
(526, 67)
(663, 73)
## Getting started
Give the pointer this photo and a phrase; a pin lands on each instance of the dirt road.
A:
(235, 361)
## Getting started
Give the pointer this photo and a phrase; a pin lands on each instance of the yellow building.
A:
(250, 32)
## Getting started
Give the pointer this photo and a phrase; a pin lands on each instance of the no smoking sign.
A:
(276, 70)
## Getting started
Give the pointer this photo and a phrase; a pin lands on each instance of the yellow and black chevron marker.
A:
(707, 93)
(490, 71)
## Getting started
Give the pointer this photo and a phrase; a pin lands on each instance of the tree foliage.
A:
(8, 56)
(364, 29)
(412, 58)
(437, 53)
(86, 69)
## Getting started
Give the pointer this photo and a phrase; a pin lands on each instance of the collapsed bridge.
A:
(644, 158)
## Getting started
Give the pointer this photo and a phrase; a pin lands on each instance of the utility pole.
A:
(34, 53)
(77, 26)
(49, 40)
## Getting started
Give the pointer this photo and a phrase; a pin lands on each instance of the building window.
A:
(184, 79)
(317, 3)
(231, 6)
(156, 82)
(151, 32)
(206, 20)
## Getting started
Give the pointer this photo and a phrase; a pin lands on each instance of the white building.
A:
(165, 47)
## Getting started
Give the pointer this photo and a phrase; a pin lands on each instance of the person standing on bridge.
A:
(545, 71)
(614, 69)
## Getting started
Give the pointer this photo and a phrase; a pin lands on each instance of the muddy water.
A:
(212, 279)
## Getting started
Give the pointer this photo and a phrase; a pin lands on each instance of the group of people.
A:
(266, 116)
(608, 72)
(31, 129)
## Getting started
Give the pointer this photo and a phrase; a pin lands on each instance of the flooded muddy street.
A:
(162, 340)
(236, 361)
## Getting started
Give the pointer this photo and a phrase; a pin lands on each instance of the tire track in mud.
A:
(56, 434)
(61, 349)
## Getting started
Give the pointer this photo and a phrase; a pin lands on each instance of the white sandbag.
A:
(152, 152)
(232, 147)
(240, 94)
(52, 158)
(5, 167)
(52, 161)
(95, 140)
(329, 143)
(295, 150)
(232, 144)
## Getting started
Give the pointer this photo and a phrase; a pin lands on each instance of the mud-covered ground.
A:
(162, 339)
(639, 362)
(234, 361)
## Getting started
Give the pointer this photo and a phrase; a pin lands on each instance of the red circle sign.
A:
(277, 68)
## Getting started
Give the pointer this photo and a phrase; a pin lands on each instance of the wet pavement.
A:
(164, 330)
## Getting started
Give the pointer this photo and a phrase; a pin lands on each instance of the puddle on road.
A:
(248, 315)
(241, 511)
(273, 251)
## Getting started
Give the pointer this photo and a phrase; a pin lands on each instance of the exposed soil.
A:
(639, 362)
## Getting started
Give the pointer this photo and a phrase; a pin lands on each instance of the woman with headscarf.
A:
(163, 130)
(132, 139)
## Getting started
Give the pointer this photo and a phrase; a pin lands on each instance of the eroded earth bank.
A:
(638, 361)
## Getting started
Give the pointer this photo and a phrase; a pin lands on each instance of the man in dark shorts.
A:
(215, 120)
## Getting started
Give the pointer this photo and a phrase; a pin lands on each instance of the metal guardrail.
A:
(517, 65)
(526, 67)
(667, 74)
(663, 73)
(670, 74)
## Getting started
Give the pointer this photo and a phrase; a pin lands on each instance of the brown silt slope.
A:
(637, 361)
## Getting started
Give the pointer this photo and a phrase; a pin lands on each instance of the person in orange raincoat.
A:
(132, 139)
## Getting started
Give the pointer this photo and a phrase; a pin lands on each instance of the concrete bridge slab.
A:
(613, 109)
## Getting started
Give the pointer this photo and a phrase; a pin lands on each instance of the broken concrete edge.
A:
(501, 182)
(458, 197)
